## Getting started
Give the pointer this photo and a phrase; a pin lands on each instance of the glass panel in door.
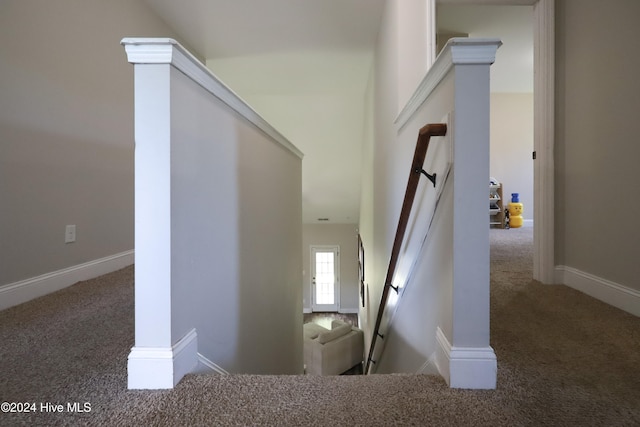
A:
(324, 278)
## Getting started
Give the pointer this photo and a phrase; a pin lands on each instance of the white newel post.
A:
(465, 358)
(196, 205)
(155, 361)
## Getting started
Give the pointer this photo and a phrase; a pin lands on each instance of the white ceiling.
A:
(223, 28)
(304, 66)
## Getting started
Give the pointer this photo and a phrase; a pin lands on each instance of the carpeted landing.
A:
(564, 359)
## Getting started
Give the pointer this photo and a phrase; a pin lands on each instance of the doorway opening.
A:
(325, 278)
(543, 118)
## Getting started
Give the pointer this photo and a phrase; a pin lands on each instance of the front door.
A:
(325, 277)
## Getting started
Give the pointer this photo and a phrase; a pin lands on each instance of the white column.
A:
(466, 359)
(155, 362)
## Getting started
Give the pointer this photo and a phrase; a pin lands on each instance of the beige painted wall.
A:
(383, 98)
(597, 149)
(412, 47)
(345, 236)
(66, 131)
(512, 145)
(385, 170)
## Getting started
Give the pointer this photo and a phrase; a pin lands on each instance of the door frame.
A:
(312, 265)
(543, 123)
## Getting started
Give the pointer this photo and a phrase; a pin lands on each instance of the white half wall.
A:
(447, 288)
(218, 226)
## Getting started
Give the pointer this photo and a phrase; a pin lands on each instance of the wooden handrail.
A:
(422, 145)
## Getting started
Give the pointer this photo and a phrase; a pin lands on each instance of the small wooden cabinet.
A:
(496, 208)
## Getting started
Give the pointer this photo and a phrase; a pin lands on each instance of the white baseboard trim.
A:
(466, 367)
(614, 294)
(26, 290)
(307, 311)
(162, 367)
(207, 366)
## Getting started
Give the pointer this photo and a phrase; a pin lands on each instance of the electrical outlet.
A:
(70, 234)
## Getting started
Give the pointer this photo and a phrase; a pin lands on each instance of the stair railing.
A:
(422, 145)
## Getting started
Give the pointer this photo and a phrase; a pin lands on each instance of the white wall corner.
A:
(162, 367)
(26, 290)
(307, 310)
(612, 293)
(466, 367)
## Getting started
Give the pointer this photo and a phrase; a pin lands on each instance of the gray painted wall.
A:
(597, 128)
(66, 131)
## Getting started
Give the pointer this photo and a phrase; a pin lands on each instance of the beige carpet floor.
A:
(564, 359)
